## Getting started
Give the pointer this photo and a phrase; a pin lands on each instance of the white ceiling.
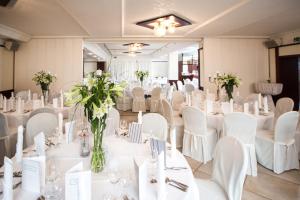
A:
(116, 18)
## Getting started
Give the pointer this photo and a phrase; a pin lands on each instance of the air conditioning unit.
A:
(7, 3)
(11, 45)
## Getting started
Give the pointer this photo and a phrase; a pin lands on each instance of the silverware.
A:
(177, 183)
(41, 197)
(15, 174)
(178, 187)
(176, 168)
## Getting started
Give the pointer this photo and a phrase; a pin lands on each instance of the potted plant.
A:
(97, 94)
(44, 79)
(228, 81)
(141, 75)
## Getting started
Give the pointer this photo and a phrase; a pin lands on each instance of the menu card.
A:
(33, 173)
(135, 132)
(141, 177)
(78, 183)
(69, 130)
(8, 179)
(39, 141)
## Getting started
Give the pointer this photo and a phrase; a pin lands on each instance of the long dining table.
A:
(120, 154)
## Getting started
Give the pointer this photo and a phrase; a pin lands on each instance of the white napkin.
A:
(141, 176)
(231, 105)
(60, 123)
(78, 183)
(42, 101)
(36, 103)
(266, 106)
(29, 95)
(34, 96)
(256, 109)
(259, 100)
(12, 95)
(55, 102)
(39, 141)
(19, 146)
(5, 109)
(33, 173)
(140, 117)
(69, 129)
(173, 142)
(8, 179)
(1, 101)
(19, 105)
(225, 106)
(246, 108)
(161, 184)
(209, 106)
(61, 99)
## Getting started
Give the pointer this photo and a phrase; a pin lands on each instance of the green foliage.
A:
(141, 75)
(228, 81)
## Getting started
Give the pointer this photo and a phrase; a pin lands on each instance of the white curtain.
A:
(124, 69)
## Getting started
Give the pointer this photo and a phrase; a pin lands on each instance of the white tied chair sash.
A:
(196, 140)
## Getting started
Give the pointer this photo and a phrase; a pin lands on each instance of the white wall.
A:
(173, 66)
(89, 66)
(247, 58)
(6, 69)
(62, 57)
(159, 68)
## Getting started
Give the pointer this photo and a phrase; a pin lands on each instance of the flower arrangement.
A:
(228, 81)
(97, 94)
(141, 75)
(44, 79)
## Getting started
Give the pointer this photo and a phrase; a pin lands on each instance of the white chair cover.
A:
(115, 115)
(228, 173)
(197, 98)
(139, 103)
(42, 110)
(278, 151)
(177, 100)
(198, 140)
(156, 125)
(124, 102)
(155, 100)
(189, 88)
(170, 93)
(179, 85)
(175, 122)
(243, 127)
(283, 105)
(42, 122)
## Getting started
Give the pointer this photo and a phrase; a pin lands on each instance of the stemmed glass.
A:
(123, 126)
(52, 190)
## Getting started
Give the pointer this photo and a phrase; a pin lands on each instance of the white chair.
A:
(199, 141)
(175, 122)
(155, 100)
(8, 139)
(124, 102)
(243, 127)
(156, 125)
(176, 102)
(189, 88)
(179, 85)
(228, 173)
(42, 110)
(197, 98)
(138, 103)
(276, 150)
(170, 93)
(283, 105)
(115, 115)
(42, 122)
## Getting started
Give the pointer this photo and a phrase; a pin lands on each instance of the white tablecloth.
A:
(120, 154)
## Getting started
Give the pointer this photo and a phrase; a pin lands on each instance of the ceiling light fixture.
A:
(135, 46)
(132, 53)
(164, 24)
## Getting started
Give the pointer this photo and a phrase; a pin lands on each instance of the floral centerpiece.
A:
(141, 75)
(44, 79)
(97, 94)
(228, 81)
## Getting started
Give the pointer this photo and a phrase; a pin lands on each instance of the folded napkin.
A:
(140, 117)
(209, 106)
(29, 95)
(61, 99)
(246, 108)
(225, 106)
(266, 106)
(69, 131)
(19, 146)
(8, 179)
(5, 109)
(259, 100)
(256, 109)
(1, 101)
(33, 174)
(135, 132)
(34, 96)
(60, 123)
(42, 101)
(39, 141)
(78, 183)
(231, 105)
(36, 103)
(55, 102)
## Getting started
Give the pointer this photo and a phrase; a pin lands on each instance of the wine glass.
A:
(52, 190)
(123, 126)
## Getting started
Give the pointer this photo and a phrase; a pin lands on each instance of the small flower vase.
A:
(229, 91)
(98, 157)
(45, 89)
(141, 80)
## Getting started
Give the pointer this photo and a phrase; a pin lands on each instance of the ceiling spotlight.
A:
(164, 24)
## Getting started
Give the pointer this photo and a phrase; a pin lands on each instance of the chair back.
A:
(170, 92)
(156, 125)
(41, 122)
(285, 127)
(194, 120)
(167, 111)
(230, 166)
(3, 126)
(115, 115)
(41, 110)
(241, 126)
(155, 94)
(177, 99)
(283, 105)
(179, 85)
(189, 88)
(138, 92)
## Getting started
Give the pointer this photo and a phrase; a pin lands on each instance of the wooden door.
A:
(288, 75)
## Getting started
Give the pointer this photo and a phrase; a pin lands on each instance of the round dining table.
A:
(120, 154)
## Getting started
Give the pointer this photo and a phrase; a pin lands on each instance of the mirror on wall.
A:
(6, 69)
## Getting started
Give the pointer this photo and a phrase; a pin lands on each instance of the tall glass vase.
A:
(45, 91)
(98, 157)
(229, 91)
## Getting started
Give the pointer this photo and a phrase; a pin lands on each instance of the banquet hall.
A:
(146, 100)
